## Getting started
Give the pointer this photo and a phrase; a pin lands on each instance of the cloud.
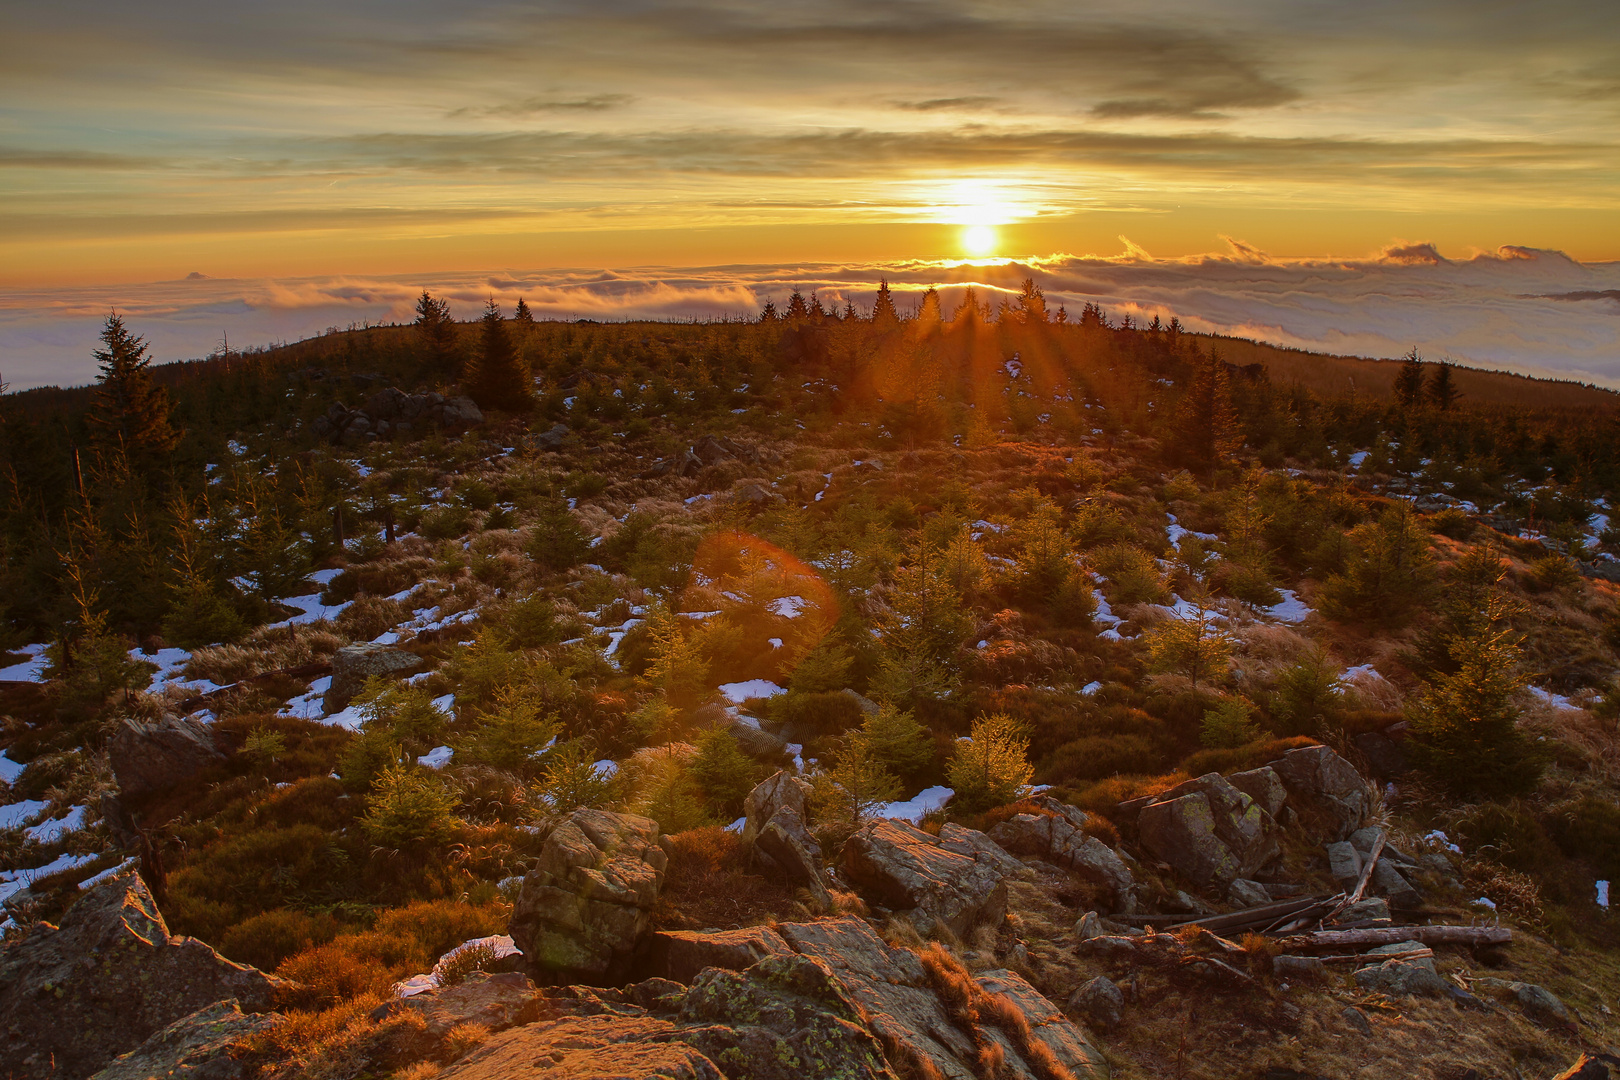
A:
(975, 103)
(1512, 313)
(536, 106)
(1413, 255)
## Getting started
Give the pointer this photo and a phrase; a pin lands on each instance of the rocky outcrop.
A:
(155, 755)
(352, 665)
(1209, 831)
(785, 1018)
(1326, 787)
(902, 868)
(392, 412)
(680, 954)
(202, 1046)
(1056, 834)
(74, 997)
(1264, 786)
(1394, 969)
(902, 1008)
(496, 1002)
(775, 830)
(583, 910)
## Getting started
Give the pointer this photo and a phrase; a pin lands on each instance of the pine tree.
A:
(967, 311)
(898, 741)
(1032, 303)
(768, 313)
(438, 332)
(1388, 571)
(522, 314)
(501, 378)
(798, 311)
(129, 411)
(1465, 727)
(929, 313)
(1193, 646)
(1206, 423)
(1409, 381)
(855, 785)
(884, 316)
(991, 766)
(1443, 389)
(724, 772)
(817, 312)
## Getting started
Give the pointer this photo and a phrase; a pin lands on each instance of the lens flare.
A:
(978, 240)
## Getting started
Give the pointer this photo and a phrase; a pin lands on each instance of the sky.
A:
(1166, 145)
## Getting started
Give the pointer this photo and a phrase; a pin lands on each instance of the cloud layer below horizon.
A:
(1518, 309)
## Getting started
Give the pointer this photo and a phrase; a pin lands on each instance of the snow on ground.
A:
(9, 770)
(436, 758)
(789, 607)
(308, 706)
(14, 881)
(110, 872)
(1091, 688)
(1359, 458)
(30, 670)
(170, 662)
(18, 814)
(915, 808)
(1290, 610)
(739, 692)
(1557, 701)
(1177, 533)
(310, 609)
(48, 832)
(1105, 615)
(445, 704)
(350, 719)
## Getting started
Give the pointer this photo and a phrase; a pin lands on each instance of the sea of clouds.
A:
(1519, 309)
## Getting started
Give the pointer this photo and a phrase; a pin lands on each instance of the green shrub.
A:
(202, 617)
(1589, 829)
(815, 716)
(445, 522)
(898, 741)
(825, 668)
(1452, 523)
(556, 541)
(1097, 757)
(476, 495)
(1133, 574)
(1388, 571)
(531, 623)
(266, 939)
(1306, 696)
(723, 772)
(1229, 725)
(584, 485)
(1552, 571)
(1251, 584)
(514, 733)
(409, 807)
(991, 766)
(570, 780)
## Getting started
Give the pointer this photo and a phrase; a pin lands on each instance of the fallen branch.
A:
(1390, 935)
(1251, 918)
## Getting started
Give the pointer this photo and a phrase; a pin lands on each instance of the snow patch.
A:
(919, 805)
(436, 758)
(739, 692)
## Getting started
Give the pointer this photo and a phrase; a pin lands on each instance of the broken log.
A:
(1390, 935)
(1264, 915)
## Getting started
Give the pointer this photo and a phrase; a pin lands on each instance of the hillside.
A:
(809, 697)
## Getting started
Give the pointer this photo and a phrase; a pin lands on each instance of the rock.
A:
(1188, 903)
(1356, 1019)
(550, 439)
(1088, 926)
(901, 867)
(891, 985)
(755, 495)
(1056, 835)
(1592, 1067)
(974, 844)
(155, 755)
(196, 1047)
(74, 997)
(603, 1047)
(1244, 893)
(1264, 786)
(460, 413)
(781, 789)
(1323, 782)
(1390, 974)
(352, 665)
(1542, 1005)
(1209, 831)
(1364, 839)
(1390, 884)
(1369, 909)
(1298, 967)
(1385, 759)
(584, 909)
(756, 742)
(496, 1001)
(792, 850)
(681, 954)
(1344, 863)
(1100, 1001)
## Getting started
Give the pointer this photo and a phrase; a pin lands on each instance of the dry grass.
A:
(266, 649)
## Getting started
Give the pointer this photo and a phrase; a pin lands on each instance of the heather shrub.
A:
(266, 939)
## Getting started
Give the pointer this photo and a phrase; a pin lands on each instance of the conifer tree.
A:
(991, 766)
(898, 740)
(1193, 646)
(1207, 431)
(129, 411)
(968, 310)
(522, 314)
(501, 378)
(768, 313)
(798, 311)
(1032, 303)
(884, 315)
(817, 312)
(855, 785)
(1409, 381)
(1443, 389)
(929, 313)
(438, 332)
(1388, 571)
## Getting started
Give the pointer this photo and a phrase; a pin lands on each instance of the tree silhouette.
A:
(1206, 424)
(500, 380)
(1409, 381)
(129, 411)
(522, 314)
(1032, 303)
(929, 312)
(883, 312)
(968, 310)
(438, 331)
(1443, 389)
(797, 310)
(768, 313)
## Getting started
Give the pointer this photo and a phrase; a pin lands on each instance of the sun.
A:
(978, 240)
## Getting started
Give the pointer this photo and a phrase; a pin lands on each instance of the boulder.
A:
(352, 665)
(1264, 786)
(1392, 971)
(680, 954)
(1592, 1067)
(1056, 835)
(1088, 926)
(1320, 781)
(1364, 839)
(1244, 893)
(1356, 1019)
(584, 908)
(1100, 1001)
(1389, 883)
(550, 439)
(458, 414)
(1209, 831)
(780, 790)
(74, 997)
(201, 1046)
(155, 755)
(791, 849)
(1368, 909)
(496, 1001)
(1542, 1005)
(1344, 863)
(903, 1010)
(898, 866)
(1384, 756)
